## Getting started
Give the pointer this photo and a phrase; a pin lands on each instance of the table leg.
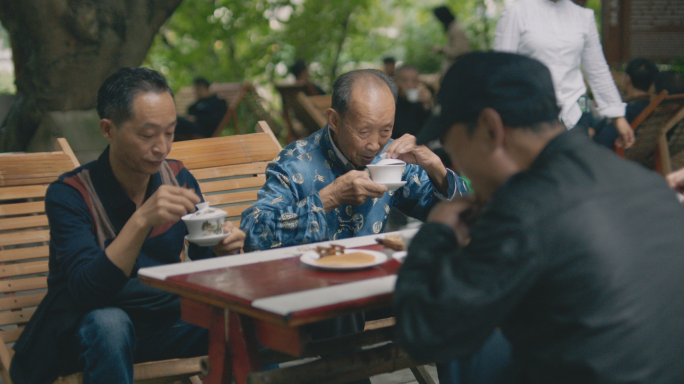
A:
(243, 346)
(220, 362)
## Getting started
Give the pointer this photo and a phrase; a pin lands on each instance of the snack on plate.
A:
(395, 242)
(332, 250)
(347, 259)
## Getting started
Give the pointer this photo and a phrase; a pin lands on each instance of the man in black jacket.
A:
(574, 253)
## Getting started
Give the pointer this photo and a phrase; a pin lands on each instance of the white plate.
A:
(393, 186)
(309, 258)
(207, 241)
(400, 256)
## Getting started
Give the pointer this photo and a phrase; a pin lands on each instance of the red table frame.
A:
(236, 328)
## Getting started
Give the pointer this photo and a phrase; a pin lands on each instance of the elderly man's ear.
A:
(106, 127)
(490, 121)
(334, 120)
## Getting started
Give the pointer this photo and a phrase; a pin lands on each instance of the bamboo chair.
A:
(230, 169)
(24, 251)
(650, 128)
(316, 107)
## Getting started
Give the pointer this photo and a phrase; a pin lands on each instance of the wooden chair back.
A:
(315, 106)
(650, 128)
(230, 169)
(292, 108)
(24, 237)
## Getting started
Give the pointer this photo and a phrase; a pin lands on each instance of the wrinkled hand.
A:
(354, 187)
(233, 243)
(167, 204)
(626, 132)
(458, 214)
(405, 148)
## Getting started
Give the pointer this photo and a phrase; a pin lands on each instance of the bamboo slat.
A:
(23, 222)
(24, 253)
(12, 335)
(228, 198)
(230, 170)
(22, 208)
(25, 237)
(236, 210)
(223, 185)
(22, 269)
(23, 284)
(17, 302)
(25, 192)
(17, 317)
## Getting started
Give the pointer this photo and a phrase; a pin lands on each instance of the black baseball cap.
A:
(519, 88)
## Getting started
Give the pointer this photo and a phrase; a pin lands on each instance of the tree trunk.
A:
(64, 49)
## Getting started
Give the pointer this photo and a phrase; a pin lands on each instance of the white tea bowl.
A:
(386, 173)
(205, 221)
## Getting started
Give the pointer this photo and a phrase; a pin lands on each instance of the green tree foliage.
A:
(256, 40)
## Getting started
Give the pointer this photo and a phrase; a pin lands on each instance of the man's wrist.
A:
(328, 199)
(438, 176)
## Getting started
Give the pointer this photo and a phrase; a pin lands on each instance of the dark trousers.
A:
(109, 345)
(490, 365)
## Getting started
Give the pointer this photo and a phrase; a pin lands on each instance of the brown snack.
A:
(347, 259)
(395, 242)
(330, 251)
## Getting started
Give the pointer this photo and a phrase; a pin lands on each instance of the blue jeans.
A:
(109, 345)
(490, 365)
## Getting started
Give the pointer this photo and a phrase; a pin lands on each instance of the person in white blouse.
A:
(563, 36)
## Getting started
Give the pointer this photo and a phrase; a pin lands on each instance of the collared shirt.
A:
(563, 36)
(77, 260)
(289, 210)
(577, 259)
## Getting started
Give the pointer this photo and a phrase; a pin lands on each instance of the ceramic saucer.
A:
(393, 186)
(207, 241)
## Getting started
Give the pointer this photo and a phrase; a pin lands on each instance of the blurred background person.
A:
(639, 77)
(413, 103)
(301, 73)
(563, 36)
(204, 116)
(389, 65)
(457, 41)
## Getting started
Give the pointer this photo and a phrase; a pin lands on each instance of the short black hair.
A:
(671, 81)
(342, 87)
(642, 72)
(115, 96)
(389, 60)
(201, 81)
(298, 67)
(444, 15)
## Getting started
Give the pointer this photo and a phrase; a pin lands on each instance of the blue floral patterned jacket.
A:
(289, 210)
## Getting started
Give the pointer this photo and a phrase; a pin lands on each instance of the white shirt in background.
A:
(563, 36)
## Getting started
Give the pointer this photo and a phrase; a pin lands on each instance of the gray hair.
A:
(341, 91)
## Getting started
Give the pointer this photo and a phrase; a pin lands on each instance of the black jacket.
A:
(579, 260)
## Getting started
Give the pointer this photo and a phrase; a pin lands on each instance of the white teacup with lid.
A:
(205, 225)
(388, 172)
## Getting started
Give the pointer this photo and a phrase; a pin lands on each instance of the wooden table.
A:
(264, 298)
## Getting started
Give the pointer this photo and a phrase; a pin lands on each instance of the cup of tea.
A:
(386, 173)
(205, 221)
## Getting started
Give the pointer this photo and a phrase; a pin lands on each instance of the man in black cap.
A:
(574, 253)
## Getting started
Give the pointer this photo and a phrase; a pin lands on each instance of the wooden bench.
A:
(650, 148)
(24, 251)
(293, 109)
(230, 169)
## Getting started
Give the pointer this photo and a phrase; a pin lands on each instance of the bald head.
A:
(367, 80)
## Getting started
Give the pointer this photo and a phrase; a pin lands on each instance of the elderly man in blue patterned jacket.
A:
(318, 188)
